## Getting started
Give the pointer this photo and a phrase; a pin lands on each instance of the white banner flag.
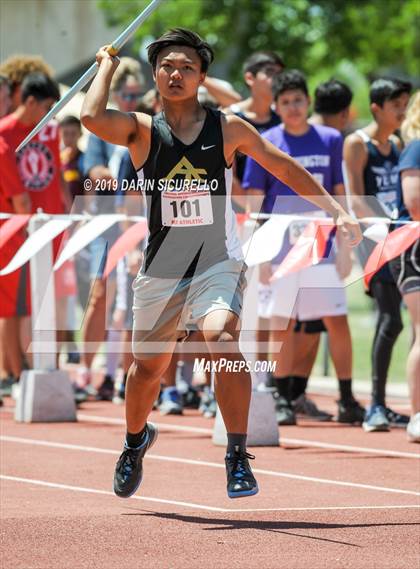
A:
(267, 241)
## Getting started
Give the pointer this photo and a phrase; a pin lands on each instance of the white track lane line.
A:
(108, 493)
(211, 465)
(200, 506)
(309, 443)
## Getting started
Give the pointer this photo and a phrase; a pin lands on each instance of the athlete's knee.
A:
(390, 326)
(145, 370)
(222, 341)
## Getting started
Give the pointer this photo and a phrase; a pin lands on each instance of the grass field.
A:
(362, 324)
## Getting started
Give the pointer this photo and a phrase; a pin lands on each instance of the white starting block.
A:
(45, 393)
(262, 425)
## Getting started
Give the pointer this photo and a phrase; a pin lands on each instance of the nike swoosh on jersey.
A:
(207, 147)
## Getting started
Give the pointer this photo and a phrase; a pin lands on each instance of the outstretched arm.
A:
(243, 137)
(110, 125)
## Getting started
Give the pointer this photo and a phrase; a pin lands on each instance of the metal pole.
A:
(113, 49)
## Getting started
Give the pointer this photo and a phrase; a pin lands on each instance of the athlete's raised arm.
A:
(241, 136)
(110, 125)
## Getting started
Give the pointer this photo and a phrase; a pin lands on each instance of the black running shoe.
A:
(397, 419)
(106, 390)
(240, 480)
(129, 468)
(350, 412)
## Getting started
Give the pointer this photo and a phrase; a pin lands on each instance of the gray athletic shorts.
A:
(167, 310)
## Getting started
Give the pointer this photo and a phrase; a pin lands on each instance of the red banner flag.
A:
(12, 226)
(128, 240)
(393, 245)
(313, 245)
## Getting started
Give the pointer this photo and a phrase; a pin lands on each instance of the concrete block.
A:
(262, 425)
(45, 396)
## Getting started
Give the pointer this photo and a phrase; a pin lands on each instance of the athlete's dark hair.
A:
(289, 81)
(181, 36)
(383, 90)
(71, 120)
(39, 86)
(332, 97)
(261, 59)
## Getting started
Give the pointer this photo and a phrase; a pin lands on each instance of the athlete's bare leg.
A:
(281, 332)
(142, 389)
(340, 344)
(233, 389)
(305, 351)
(94, 327)
(412, 302)
(11, 344)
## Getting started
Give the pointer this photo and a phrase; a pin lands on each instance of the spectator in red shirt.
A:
(29, 180)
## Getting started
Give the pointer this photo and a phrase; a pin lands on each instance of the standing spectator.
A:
(319, 150)
(406, 268)
(332, 108)
(102, 163)
(257, 109)
(29, 180)
(371, 158)
(16, 68)
(72, 170)
(332, 105)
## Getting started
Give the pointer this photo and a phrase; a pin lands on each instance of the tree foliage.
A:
(374, 35)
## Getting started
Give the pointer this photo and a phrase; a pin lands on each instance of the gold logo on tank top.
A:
(186, 169)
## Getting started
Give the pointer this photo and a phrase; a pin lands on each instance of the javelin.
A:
(113, 49)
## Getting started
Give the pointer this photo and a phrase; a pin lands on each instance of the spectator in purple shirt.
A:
(319, 149)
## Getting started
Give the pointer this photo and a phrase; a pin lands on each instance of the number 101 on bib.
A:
(186, 208)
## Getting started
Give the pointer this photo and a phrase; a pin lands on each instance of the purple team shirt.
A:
(320, 151)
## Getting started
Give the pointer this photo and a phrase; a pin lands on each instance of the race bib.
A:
(186, 209)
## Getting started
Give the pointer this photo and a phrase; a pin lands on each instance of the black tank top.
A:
(381, 181)
(188, 198)
(381, 177)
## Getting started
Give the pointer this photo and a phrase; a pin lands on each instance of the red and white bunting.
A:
(85, 234)
(389, 248)
(36, 242)
(309, 249)
(124, 244)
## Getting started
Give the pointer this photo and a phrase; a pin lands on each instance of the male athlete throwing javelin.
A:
(193, 269)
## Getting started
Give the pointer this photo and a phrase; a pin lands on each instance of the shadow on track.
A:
(276, 527)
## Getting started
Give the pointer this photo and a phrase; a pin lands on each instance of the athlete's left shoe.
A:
(240, 480)
(397, 419)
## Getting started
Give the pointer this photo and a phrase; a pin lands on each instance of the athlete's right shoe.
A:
(240, 480)
(350, 412)
(376, 419)
(129, 469)
(413, 429)
(285, 415)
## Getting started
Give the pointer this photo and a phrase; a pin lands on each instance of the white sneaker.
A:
(413, 429)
